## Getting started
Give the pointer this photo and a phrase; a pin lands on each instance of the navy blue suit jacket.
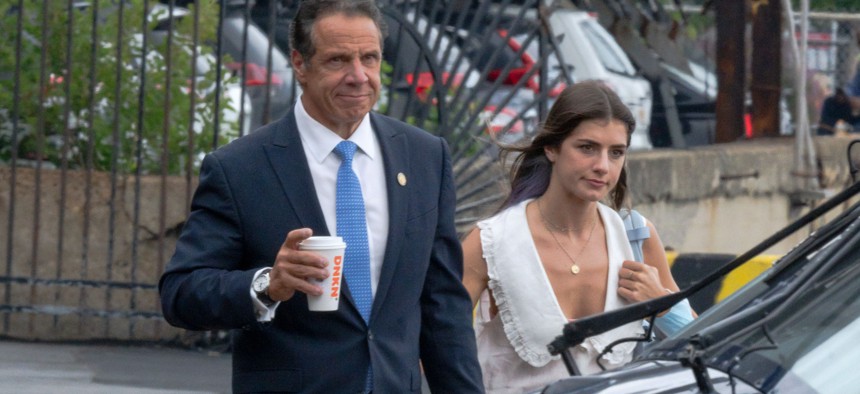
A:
(255, 190)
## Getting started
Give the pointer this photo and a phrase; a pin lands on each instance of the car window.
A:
(610, 54)
(701, 82)
(777, 283)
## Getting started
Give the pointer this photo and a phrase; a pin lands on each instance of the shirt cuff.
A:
(264, 313)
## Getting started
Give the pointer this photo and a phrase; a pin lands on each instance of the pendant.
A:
(574, 269)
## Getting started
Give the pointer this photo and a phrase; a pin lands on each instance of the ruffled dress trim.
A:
(527, 306)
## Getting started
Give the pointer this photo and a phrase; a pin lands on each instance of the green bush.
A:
(127, 133)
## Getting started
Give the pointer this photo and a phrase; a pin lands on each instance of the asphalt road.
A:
(71, 368)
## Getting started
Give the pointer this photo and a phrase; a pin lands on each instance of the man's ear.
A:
(298, 62)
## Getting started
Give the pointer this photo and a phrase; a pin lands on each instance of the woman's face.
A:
(588, 162)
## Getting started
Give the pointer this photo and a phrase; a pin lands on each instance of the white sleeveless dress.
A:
(512, 346)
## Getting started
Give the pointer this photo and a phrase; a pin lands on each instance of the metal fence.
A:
(107, 108)
(833, 56)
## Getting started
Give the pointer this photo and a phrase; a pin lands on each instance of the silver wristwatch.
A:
(260, 285)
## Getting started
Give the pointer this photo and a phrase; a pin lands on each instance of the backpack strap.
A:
(637, 231)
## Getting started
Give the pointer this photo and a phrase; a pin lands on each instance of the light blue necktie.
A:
(352, 226)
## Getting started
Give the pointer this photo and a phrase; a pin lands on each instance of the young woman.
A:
(554, 252)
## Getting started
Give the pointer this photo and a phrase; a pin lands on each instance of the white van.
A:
(594, 55)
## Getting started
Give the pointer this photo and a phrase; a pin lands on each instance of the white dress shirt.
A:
(318, 143)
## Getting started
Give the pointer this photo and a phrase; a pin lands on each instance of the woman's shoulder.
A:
(511, 212)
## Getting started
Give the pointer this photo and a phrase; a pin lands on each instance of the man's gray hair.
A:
(310, 11)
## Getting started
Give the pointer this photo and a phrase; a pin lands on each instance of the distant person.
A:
(854, 85)
(261, 195)
(834, 109)
(555, 253)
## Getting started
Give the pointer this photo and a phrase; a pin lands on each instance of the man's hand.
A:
(294, 267)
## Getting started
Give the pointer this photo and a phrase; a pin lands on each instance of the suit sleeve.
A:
(448, 351)
(203, 286)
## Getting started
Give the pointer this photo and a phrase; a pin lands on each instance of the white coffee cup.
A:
(331, 248)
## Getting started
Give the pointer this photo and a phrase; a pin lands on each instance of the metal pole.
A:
(804, 168)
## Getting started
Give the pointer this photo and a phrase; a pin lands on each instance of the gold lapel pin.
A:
(401, 179)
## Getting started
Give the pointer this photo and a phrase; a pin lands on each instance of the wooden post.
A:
(766, 67)
(731, 74)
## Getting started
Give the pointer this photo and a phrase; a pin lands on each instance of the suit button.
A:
(369, 335)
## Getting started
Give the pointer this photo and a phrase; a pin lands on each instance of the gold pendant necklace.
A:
(574, 268)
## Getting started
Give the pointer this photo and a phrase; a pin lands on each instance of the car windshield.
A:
(775, 332)
(610, 54)
(776, 284)
(817, 325)
(810, 342)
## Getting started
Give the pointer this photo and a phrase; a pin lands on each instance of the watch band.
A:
(263, 295)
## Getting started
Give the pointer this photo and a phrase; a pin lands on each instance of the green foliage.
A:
(829, 5)
(697, 23)
(127, 132)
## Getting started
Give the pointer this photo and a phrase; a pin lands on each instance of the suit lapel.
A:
(288, 161)
(394, 153)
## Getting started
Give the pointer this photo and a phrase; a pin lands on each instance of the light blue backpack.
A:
(637, 233)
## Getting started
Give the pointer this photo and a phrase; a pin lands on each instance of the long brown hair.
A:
(587, 100)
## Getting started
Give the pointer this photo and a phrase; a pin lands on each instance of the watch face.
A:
(261, 283)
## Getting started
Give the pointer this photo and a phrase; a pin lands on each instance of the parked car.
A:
(413, 43)
(695, 95)
(268, 79)
(695, 99)
(593, 54)
(238, 100)
(791, 329)
(506, 52)
(423, 60)
(268, 82)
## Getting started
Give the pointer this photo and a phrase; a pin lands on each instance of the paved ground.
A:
(62, 368)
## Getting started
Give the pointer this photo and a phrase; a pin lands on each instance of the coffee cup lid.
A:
(322, 242)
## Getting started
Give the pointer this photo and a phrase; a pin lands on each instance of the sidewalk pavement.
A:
(27, 367)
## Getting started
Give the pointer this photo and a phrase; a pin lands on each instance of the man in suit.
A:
(262, 194)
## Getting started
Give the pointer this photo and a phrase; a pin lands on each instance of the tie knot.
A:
(345, 149)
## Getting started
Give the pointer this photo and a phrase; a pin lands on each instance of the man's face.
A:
(340, 82)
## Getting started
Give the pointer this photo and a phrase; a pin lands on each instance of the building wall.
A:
(728, 198)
